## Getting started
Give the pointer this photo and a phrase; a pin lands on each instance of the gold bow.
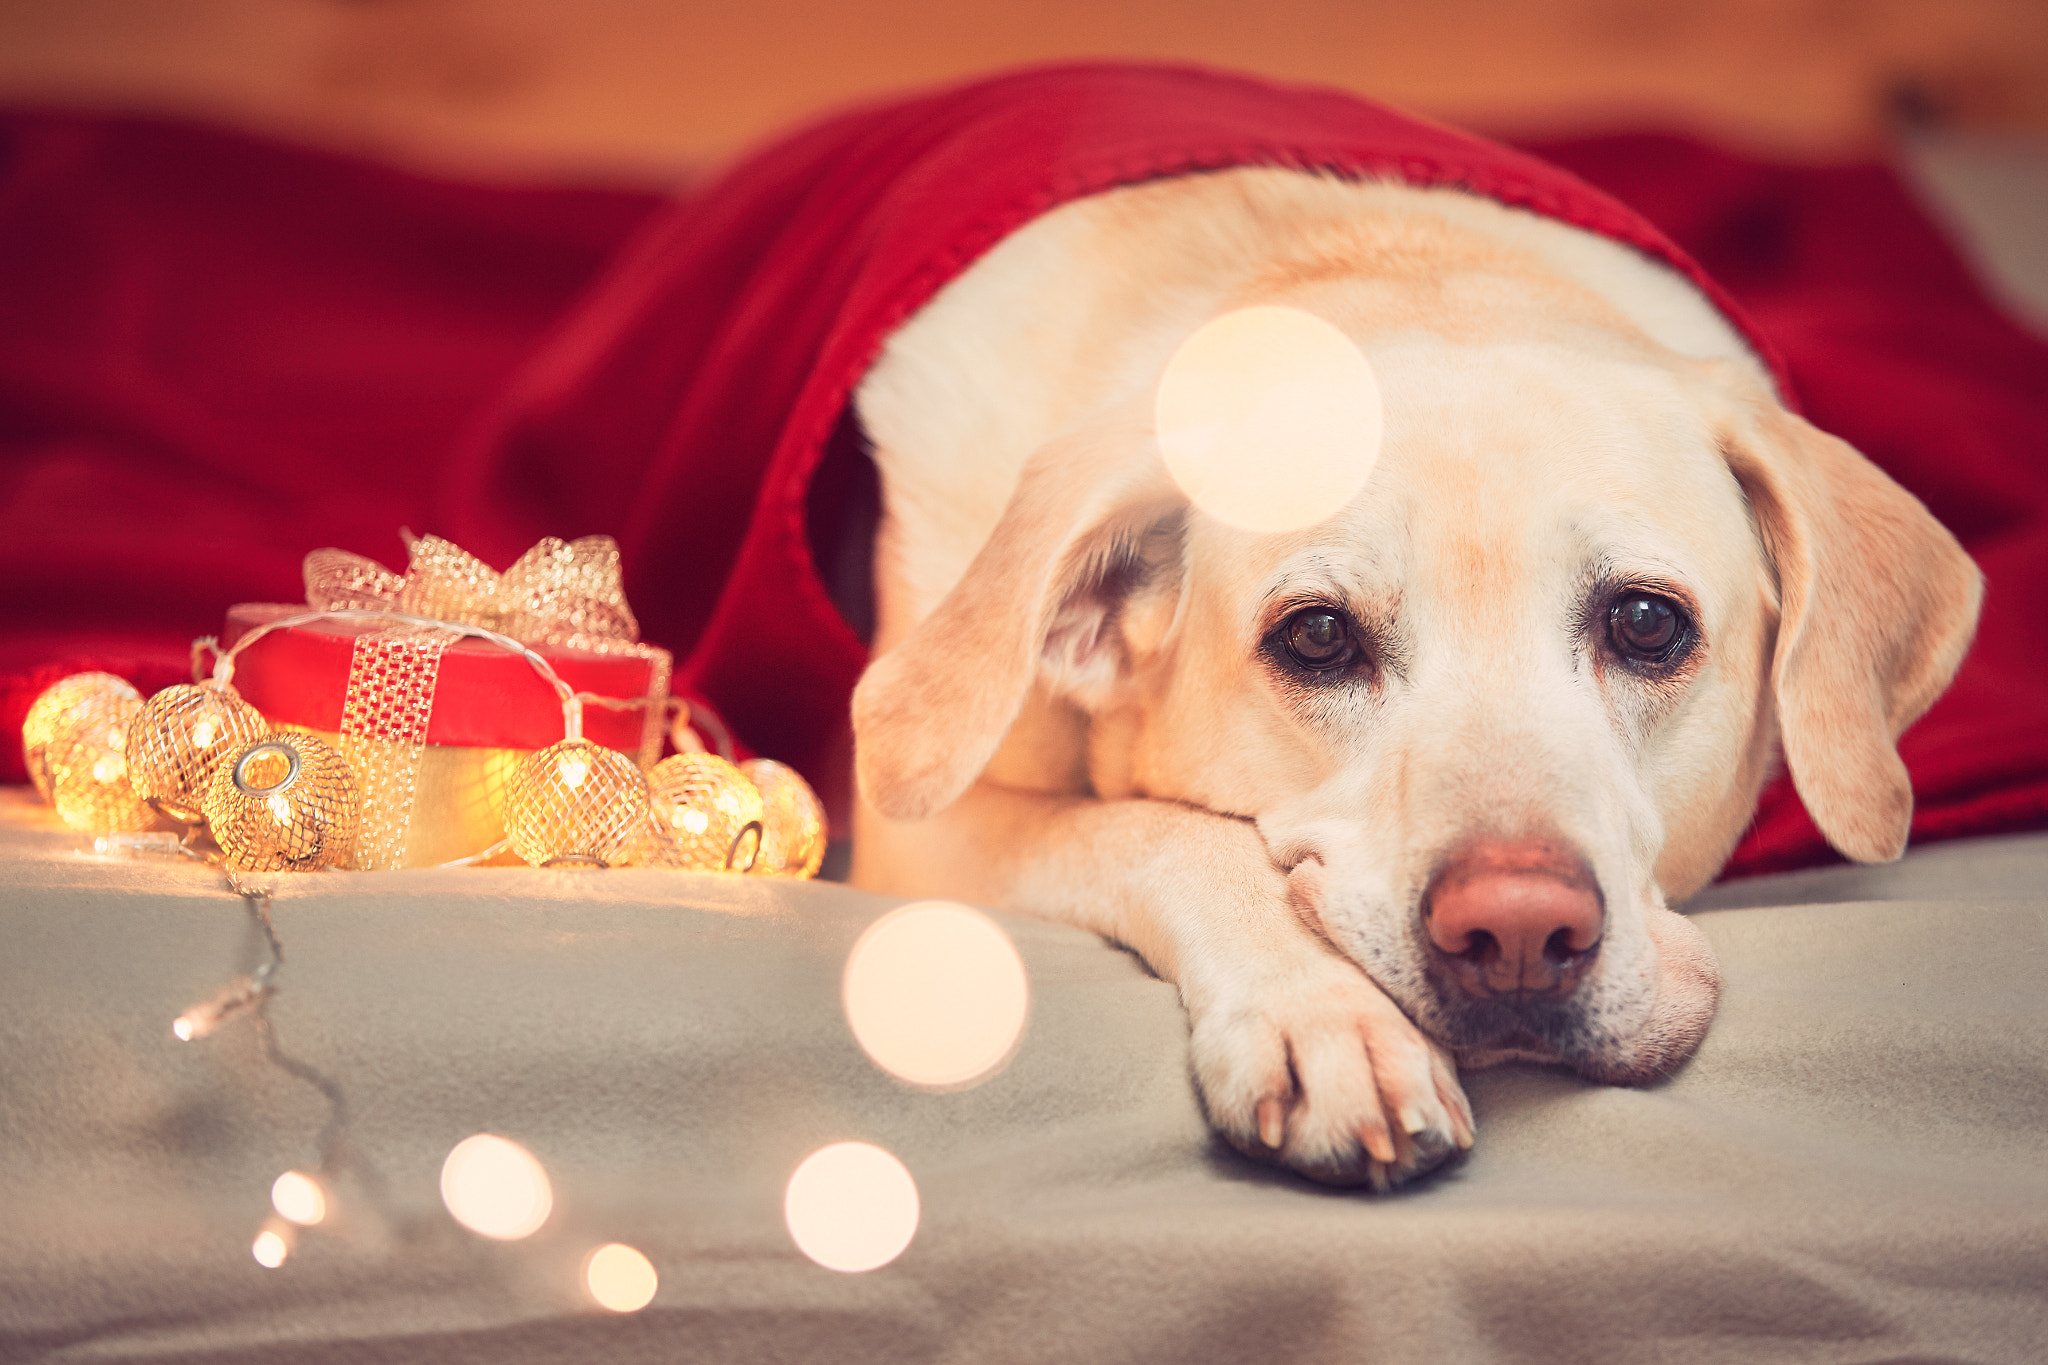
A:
(560, 594)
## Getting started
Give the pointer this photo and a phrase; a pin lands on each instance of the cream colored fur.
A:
(1071, 712)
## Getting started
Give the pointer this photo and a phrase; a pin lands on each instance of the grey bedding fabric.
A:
(1855, 1168)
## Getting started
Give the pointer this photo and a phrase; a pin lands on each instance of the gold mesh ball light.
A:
(87, 764)
(181, 735)
(576, 803)
(57, 705)
(707, 815)
(287, 803)
(792, 820)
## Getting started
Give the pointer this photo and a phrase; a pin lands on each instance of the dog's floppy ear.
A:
(929, 714)
(1877, 607)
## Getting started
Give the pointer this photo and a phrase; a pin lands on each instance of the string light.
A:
(155, 843)
(792, 820)
(209, 1014)
(86, 766)
(707, 815)
(201, 756)
(576, 803)
(56, 705)
(288, 801)
(285, 803)
(241, 992)
(181, 734)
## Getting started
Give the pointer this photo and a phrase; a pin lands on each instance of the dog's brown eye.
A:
(1646, 626)
(1319, 638)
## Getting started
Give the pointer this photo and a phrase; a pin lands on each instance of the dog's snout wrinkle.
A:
(1515, 920)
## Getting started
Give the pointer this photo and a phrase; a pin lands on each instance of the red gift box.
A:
(484, 697)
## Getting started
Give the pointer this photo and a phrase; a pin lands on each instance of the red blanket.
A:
(221, 354)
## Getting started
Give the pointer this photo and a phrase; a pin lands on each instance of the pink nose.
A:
(1517, 917)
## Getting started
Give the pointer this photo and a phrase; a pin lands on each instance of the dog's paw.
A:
(1319, 1070)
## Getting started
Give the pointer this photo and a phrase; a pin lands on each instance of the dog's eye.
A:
(1647, 626)
(1318, 638)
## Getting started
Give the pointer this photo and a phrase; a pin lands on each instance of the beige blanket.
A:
(1855, 1167)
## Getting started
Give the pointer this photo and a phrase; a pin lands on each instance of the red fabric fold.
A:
(222, 354)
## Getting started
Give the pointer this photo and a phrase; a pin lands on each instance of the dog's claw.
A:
(1457, 1108)
(1378, 1142)
(1272, 1122)
(1461, 1127)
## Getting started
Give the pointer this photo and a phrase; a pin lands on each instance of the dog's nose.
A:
(1518, 918)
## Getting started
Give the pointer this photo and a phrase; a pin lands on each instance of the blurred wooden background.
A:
(635, 89)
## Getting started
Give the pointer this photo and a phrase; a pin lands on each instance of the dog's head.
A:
(1497, 707)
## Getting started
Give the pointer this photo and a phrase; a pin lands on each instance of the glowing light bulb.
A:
(270, 1248)
(1269, 418)
(83, 771)
(851, 1207)
(620, 1278)
(298, 1198)
(707, 815)
(793, 824)
(936, 994)
(576, 804)
(179, 737)
(285, 802)
(66, 703)
(206, 1016)
(495, 1188)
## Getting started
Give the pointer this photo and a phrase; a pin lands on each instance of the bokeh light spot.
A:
(495, 1188)
(936, 994)
(620, 1278)
(298, 1198)
(270, 1248)
(851, 1207)
(1269, 418)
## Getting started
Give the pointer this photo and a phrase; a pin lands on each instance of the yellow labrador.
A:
(1407, 789)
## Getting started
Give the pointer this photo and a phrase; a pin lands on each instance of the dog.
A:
(1410, 788)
